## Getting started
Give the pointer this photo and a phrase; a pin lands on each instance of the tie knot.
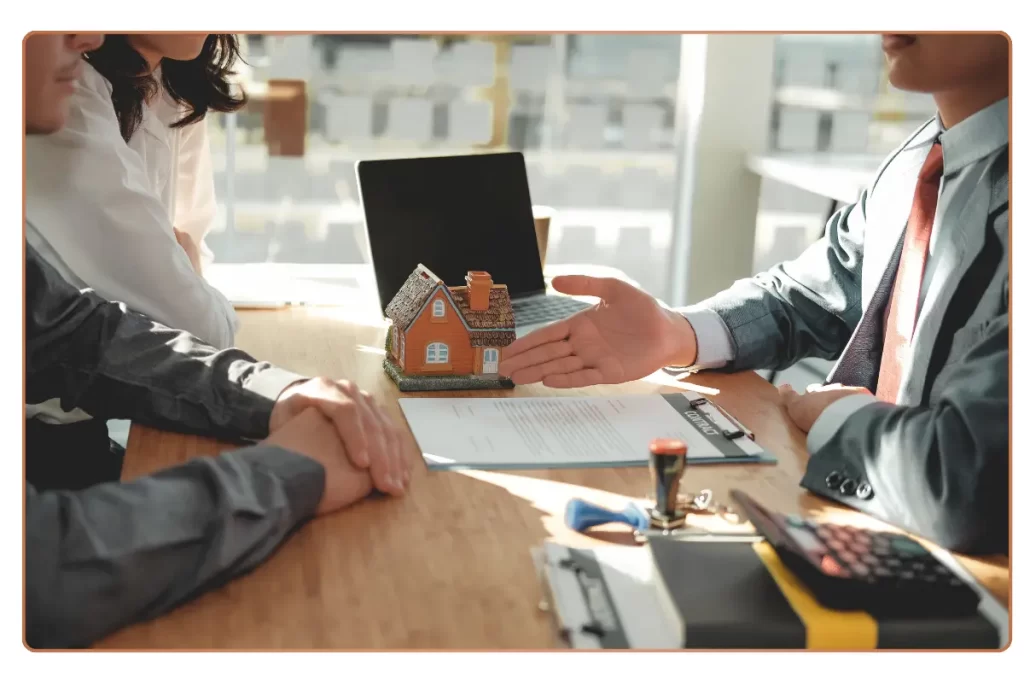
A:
(932, 169)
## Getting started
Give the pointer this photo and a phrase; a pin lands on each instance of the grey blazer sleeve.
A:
(807, 307)
(97, 356)
(114, 554)
(938, 470)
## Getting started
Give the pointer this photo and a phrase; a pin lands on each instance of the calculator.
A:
(847, 568)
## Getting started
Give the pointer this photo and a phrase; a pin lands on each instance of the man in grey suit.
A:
(908, 290)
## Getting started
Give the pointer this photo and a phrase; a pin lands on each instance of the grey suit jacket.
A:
(937, 462)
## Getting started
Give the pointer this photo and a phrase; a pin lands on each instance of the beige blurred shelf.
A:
(837, 176)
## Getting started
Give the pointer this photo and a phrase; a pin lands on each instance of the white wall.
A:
(725, 94)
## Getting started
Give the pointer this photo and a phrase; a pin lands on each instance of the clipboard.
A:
(563, 432)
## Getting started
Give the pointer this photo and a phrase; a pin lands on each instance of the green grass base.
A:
(443, 382)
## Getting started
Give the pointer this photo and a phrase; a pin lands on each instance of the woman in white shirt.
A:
(120, 201)
(122, 198)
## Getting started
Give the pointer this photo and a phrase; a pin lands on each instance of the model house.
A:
(445, 338)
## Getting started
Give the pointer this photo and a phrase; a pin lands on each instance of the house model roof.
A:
(493, 327)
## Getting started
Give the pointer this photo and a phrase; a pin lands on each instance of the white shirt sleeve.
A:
(714, 341)
(195, 200)
(89, 199)
(828, 423)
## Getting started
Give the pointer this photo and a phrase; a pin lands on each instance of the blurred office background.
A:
(610, 126)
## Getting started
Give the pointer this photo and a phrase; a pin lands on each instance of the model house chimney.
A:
(479, 283)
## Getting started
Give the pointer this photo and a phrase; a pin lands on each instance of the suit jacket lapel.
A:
(950, 266)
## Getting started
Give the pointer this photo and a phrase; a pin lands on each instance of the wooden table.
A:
(448, 566)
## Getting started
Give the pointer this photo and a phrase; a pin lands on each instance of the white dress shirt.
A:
(102, 211)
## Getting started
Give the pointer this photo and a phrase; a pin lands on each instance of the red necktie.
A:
(906, 292)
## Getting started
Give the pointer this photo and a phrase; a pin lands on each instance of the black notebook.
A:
(727, 594)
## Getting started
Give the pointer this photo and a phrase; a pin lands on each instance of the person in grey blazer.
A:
(110, 553)
(915, 433)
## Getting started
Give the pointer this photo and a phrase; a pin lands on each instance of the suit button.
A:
(833, 480)
(864, 491)
(848, 487)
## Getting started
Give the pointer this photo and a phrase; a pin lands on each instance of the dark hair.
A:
(200, 84)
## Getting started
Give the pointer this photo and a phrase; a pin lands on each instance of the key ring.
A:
(703, 503)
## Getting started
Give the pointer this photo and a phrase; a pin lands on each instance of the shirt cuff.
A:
(833, 417)
(714, 341)
(271, 382)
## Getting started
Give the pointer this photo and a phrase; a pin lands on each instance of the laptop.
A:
(455, 214)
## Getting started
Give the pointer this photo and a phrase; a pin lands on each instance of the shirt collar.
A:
(974, 138)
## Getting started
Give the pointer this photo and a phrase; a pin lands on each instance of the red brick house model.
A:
(446, 338)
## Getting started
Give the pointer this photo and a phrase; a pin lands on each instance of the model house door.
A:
(490, 361)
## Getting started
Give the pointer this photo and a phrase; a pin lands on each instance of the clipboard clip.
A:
(738, 429)
(592, 625)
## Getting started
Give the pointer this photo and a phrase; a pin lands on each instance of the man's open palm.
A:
(627, 336)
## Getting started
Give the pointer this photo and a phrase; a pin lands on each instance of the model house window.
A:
(437, 353)
(439, 309)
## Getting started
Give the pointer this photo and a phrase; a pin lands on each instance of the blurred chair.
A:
(348, 118)
(410, 119)
(470, 123)
(290, 57)
(412, 62)
(530, 67)
(467, 64)
(285, 118)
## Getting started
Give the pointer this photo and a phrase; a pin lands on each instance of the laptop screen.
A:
(452, 214)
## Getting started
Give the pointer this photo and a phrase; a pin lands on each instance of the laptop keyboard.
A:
(543, 309)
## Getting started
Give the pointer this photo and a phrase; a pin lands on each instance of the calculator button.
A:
(956, 583)
(940, 570)
(883, 572)
(917, 566)
(906, 574)
(860, 548)
(860, 570)
(929, 578)
(846, 556)
(908, 547)
(893, 563)
(869, 559)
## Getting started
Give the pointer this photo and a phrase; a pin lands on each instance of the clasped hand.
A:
(343, 428)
